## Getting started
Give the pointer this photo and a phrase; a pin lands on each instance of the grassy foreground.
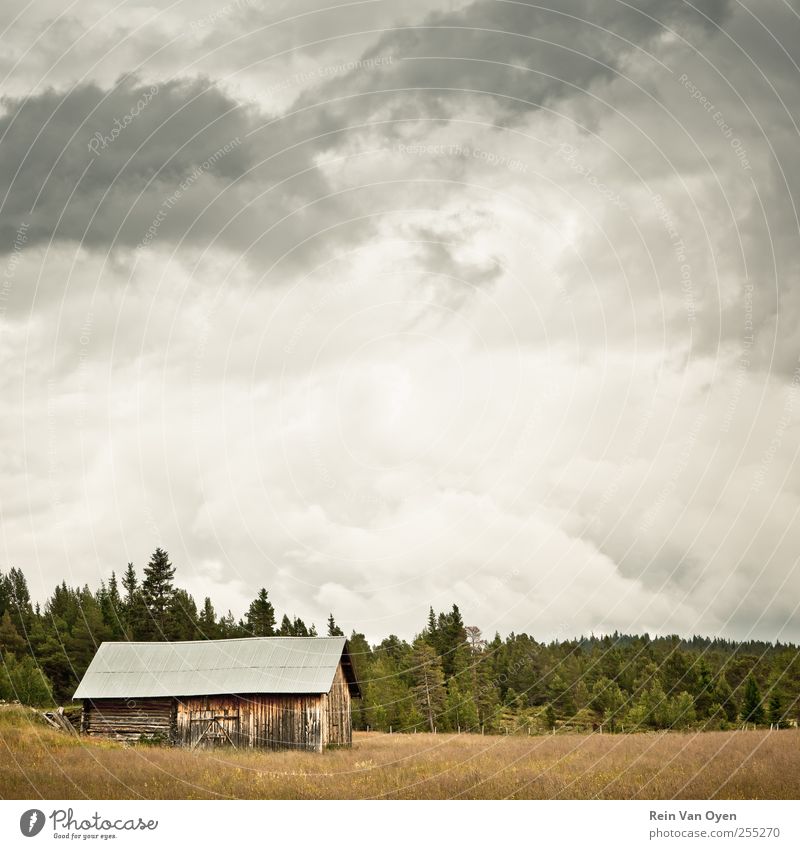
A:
(38, 762)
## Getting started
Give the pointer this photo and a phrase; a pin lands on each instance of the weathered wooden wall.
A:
(130, 719)
(251, 721)
(337, 723)
(244, 721)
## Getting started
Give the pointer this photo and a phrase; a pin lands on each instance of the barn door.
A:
(214, 728)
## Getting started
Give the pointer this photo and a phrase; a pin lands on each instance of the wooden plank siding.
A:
(130, 719)
(337, 726)
(251, 721)
(256, 720)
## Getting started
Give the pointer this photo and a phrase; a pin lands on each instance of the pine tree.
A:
(130, 583)
(228, 627)
(113, 590)
(5, 594)
(430, 633)
(207, 621)
(182, 617)
(333, 629)
(608, 700)
(462, 713)
(429, 690)
(560, 696)
(752, 707)
(681, 711)
(158, 593)
(11, 643)
(111, 607)
(19, 601)
(776, 710)
(723, 695)
(90, 630)
(704, 690)
(134, 619)
(260, 616)
(23, 680)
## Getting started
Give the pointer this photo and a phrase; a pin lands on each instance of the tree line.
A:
(448, 678)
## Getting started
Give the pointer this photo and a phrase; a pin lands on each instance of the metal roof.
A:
(212, 667)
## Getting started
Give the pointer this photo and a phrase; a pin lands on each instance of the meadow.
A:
(39, 762)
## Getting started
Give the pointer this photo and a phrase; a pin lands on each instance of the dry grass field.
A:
(38, 762)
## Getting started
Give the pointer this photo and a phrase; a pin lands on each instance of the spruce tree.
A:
(207, 621)
(130, 583)
(429, 690)
(90, 630)
(158, 592)
(11, 643)
(752, 707)
(333, 629)
(182, 617)
(20, 601)
(260, 616)
(776, 710)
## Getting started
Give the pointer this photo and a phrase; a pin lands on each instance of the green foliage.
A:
(22, 680)
(158, 595)
(752, 704)
(260, 616)
(776, 717)
(428, 683)
(448, 678)
(333, 629)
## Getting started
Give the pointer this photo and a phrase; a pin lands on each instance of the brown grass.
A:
(38, 762)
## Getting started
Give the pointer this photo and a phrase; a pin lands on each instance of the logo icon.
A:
(31, 822)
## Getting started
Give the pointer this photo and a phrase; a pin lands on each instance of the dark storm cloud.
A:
(522, 57)
(95, 166)
(63, 188)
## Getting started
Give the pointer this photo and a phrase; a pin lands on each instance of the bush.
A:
(23, 681)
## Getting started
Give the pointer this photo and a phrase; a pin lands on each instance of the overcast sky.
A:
(386, 305)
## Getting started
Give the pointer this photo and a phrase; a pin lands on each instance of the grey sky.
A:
(387, 305)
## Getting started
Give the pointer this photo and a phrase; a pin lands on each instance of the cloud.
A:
(405, 343)
(96, 166)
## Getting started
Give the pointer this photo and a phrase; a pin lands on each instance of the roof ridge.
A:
(207, 642)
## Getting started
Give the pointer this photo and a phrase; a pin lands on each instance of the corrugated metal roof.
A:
(212, 667)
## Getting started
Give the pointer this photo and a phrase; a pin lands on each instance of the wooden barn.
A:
(265, 692)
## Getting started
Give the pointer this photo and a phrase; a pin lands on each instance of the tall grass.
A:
(39, 762)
